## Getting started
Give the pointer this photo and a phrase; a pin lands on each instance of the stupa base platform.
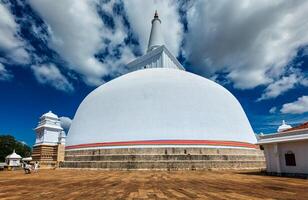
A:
(177, 158)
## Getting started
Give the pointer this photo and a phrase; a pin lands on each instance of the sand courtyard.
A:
(96, 184)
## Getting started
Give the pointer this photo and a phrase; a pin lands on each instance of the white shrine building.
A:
(13, 160)
(286, 150)
(50, 141)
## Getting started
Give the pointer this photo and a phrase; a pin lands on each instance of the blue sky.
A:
(53, 54)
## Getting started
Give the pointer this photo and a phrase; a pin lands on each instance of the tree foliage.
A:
(8, 143)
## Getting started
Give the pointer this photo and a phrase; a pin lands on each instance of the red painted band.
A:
(166, 142)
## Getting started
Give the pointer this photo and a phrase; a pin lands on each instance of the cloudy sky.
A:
(52, 54)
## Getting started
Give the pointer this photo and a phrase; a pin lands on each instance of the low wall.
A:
(177, 158)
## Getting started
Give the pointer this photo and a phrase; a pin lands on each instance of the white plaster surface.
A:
(157, 58)
(159, 104)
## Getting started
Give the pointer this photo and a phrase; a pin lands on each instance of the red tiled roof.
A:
(302, 126)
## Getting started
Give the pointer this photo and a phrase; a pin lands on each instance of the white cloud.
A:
(305, 51)
(250, 41)
(273, 110)
(11, 44)
(140, 20)
(304, 81)
(285, 83)
(78, 33)
(51, 75)
(65, 123)
(5, 75)
(296, 107)
(279, 87)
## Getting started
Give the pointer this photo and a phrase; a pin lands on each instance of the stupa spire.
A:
(156, 14)
(155, 39)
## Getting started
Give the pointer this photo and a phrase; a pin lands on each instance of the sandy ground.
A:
(82, 184)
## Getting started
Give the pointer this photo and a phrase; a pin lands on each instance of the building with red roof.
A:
(286, 151)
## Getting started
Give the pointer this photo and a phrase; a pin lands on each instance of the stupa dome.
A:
(160, 106)
(13, 155)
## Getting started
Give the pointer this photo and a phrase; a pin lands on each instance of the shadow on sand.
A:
(285, 175)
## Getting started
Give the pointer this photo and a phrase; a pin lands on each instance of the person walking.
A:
(36, 166)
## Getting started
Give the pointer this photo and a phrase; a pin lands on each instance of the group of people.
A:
(28, 168)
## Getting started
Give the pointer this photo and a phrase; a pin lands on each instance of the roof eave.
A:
(283, 139)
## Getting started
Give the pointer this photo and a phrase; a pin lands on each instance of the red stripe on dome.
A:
(166, 142)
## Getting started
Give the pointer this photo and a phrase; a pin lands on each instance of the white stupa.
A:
(283, 126)
(13, 160)
(159, 104)
(159, 116)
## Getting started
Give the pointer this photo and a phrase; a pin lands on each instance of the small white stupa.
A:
(283, 126)
(13, 160)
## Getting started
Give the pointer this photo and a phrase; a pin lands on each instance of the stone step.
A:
(171, 157)
(166, 165)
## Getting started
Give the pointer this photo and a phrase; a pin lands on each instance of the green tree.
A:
(8, 143)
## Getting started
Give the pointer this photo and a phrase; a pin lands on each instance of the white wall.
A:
(51, 136)
(271, 158)
(48, 136)
(161, 60)
(39, 137)
(13, 162)
(277, 160)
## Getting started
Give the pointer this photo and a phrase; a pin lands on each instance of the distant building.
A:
(13, 160)
(50, 141)
(286, 150)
